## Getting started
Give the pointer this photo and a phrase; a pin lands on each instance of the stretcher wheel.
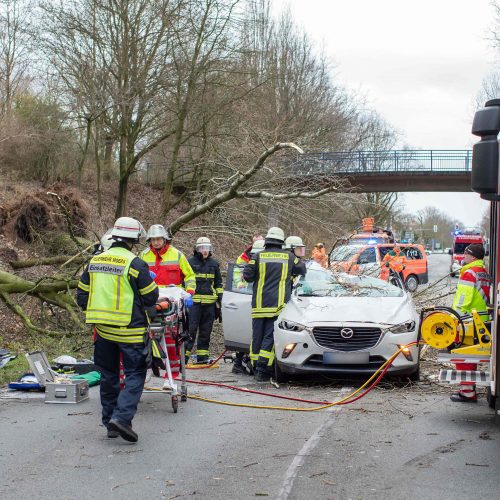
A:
(175, 403)
(184, 394)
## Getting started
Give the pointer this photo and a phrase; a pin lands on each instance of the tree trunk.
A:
(121, 204)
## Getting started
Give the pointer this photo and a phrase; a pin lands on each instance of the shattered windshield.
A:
(344, 252)
(322, 283)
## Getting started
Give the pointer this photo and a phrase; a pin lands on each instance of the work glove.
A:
(218, 311)
(188, 302)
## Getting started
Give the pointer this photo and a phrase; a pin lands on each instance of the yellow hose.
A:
(287, 408)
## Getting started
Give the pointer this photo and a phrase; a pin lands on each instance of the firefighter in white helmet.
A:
(295, 245)
(113, 291)
(207, 298)
(271, 272)
(170, 267)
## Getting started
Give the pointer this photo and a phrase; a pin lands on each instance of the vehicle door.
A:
(237, 310)
(367, 263)
(416, 263)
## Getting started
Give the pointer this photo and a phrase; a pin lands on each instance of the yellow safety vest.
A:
(111, 296)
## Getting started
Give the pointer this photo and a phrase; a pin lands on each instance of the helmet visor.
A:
(204, 247)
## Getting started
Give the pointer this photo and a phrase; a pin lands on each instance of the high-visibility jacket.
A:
(170, 266)
(396, 261)
(271, 272)
(113, 291)
(473, 289)
(208, 279)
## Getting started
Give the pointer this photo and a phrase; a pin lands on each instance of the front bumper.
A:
(307, 356)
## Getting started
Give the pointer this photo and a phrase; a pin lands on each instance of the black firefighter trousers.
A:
(116, 404)
(262, 348)
(201, 321)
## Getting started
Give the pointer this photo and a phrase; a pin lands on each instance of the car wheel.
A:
(411, 283)
(415, 376)
(279, 376)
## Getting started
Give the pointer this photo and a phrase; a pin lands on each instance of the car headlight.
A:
(407, 326)
(291, 326)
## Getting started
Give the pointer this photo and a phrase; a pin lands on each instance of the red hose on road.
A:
(251, 391)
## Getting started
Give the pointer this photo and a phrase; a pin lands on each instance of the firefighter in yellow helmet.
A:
(271, 272)
(114, 291)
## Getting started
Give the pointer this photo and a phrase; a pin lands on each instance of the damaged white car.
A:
(334, 323)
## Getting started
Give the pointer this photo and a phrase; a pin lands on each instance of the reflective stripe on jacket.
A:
(113, 291)
(271, 271)
(473, 289)
(208, 279)
(170, 266)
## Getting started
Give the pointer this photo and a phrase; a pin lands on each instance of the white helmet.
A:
(275, 233)
(158, 231)
(293, 242)
(257, 246)
(127, 228)
(203, 243)
(107, 239)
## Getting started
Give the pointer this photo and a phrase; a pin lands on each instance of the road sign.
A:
(409, 235)
(435, 228)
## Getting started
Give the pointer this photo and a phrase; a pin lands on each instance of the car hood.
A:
(316, 310)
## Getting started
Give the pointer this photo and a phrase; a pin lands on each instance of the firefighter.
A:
(473, 291)
(271, 272)
(207, 298)
(242, 364)
(295, 245)
(171, 267)
(319, 255)
(114, 291)
(396, 260)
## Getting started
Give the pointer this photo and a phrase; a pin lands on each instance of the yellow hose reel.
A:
(439, 329)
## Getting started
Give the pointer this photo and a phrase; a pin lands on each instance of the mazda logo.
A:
(346, 333)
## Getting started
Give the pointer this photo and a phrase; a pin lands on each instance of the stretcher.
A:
(170, 323)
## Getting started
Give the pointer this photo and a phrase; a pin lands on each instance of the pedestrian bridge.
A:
(393, 170)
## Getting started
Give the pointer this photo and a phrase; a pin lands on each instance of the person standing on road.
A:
(207, 298)
(271, 272)
(114, 291)
(170, 267)
(473, 292)
(396, 260)
(242, 364)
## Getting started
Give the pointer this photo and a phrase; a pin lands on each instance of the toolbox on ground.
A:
(58, 388)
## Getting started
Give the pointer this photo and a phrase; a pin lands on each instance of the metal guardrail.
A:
(383, 162)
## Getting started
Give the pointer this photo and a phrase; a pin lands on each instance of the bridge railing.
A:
(383, 162)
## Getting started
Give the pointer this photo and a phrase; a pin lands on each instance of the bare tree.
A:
(121, 49)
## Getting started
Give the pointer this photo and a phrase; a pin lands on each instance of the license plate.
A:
(346, 358)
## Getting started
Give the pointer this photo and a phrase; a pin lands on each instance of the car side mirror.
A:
(486, 253)
(450, 251)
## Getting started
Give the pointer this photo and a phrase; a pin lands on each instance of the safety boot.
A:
(262, 377)
(238, 368)
(124, 430)
(113, 434)
(457, 397)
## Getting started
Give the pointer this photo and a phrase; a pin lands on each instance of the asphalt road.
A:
(397, 442)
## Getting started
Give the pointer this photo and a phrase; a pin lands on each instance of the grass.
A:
(13, 370)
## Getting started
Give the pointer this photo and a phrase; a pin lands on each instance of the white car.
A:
(334, 323)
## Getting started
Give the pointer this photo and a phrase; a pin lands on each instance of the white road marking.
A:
(308, 447)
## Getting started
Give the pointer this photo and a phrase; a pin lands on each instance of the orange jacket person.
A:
(319, 254)
(396, 260)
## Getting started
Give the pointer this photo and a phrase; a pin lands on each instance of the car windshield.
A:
(344, 252)
(322, 283)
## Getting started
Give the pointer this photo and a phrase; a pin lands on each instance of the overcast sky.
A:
(419, 63)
